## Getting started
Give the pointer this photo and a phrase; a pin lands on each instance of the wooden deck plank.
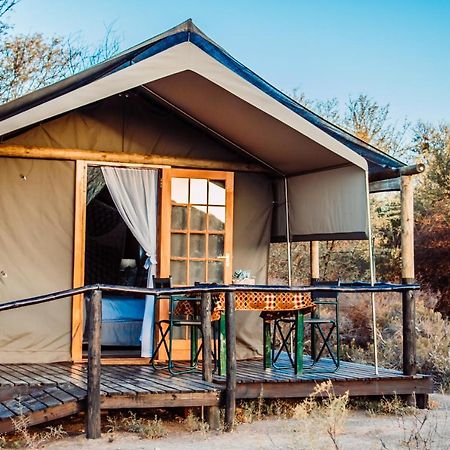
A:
(11, 379)
(33, 371)
(151, 382)
(45, 415)
(32, 403)
(176, 383)
(16, 406)
(49, 401)
(5, 413)
(75, 378)
(61, 394)
(109, 384)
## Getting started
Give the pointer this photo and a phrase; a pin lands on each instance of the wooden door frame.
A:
(81, 167)
(165, 226)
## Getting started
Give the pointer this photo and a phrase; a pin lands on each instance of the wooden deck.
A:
(45, 392)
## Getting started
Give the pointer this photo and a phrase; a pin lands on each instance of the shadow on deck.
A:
(46, 392)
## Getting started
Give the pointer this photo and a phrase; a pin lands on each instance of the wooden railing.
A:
(94, 332)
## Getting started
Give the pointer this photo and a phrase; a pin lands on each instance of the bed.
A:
(122, 321)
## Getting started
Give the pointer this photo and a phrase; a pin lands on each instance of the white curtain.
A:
(135, 192)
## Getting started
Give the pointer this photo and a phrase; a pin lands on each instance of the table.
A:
(271, 304)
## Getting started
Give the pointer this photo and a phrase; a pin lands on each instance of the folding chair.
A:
(322, 331)
(165, 328)
(189, 317)
(323, 328)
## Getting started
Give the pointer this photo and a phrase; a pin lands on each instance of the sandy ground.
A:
(426, 430)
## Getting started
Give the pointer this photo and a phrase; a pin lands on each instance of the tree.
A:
(30, 62)
(431, 144)
(371, 122)
(5, 7)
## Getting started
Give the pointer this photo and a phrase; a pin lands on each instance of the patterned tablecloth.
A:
(274, 302)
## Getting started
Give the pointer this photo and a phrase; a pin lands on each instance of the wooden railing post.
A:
(230, 323)
(408, 302)
(93, 425)
(212, 412)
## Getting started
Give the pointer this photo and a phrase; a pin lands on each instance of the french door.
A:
(196, 233)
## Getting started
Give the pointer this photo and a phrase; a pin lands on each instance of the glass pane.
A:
(215, 271)
(197, 271)
(198, 218)
(180, 190)
(197, 246)
(178, 272)
(216, 218)
(178, 245)
(179, 217)
(215, 245)
(216, 194)
(199, 191)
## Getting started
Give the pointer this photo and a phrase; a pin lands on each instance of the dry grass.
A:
(194, 424)
(24, 438)
(144, 428)
(325, 413)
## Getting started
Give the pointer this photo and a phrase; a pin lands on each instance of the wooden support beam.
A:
(407, 248)
(79, 258)
(93, 417)
(230, 394)
(73, 154)
(397, 172)
(212, 412)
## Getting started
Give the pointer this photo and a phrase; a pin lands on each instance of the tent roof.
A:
(247, 111)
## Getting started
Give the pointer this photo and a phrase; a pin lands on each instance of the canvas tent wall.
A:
(36, 255)
(179, 94)
(47, 337)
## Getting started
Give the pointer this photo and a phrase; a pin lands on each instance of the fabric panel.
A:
(135, 194)
(36, 254)
(128, 124)
(323, 205)
(251, 237)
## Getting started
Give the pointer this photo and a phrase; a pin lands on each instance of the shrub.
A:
(433, 334)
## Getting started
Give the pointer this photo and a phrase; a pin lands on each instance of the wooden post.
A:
(314, 258)
(93, 426)
(212, 412)
(230, 401)
(408, 303)
(314, 261)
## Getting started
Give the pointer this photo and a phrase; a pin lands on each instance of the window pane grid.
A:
(200, 218)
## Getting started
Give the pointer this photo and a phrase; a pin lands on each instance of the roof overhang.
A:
(186, 70)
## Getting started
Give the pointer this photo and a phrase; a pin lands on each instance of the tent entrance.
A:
(196, 234)
(113, 255)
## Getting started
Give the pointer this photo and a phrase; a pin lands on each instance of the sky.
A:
(396, 51)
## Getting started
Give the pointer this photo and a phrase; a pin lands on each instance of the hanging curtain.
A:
(135, 192)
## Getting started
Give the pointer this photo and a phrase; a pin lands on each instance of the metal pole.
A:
(372, 279)
(288, 233)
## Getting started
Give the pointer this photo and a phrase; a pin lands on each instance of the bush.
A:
(433, 334)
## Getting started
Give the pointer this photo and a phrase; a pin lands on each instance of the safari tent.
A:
(171, 158)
